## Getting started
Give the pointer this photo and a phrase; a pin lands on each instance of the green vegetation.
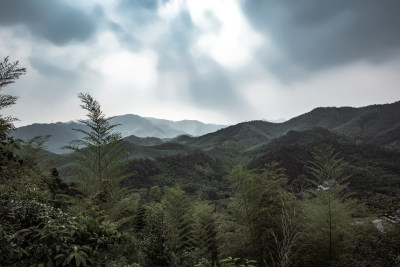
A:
(98, 155)
(328, 209)
(254, 194)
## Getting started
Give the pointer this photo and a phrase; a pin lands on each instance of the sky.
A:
(223, 62)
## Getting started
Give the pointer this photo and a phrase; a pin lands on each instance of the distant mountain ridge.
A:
(376, 124)
(140, 127)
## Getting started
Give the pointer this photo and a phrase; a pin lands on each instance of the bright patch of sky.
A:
(232, 42)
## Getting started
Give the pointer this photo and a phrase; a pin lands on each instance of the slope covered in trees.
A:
(377, 124)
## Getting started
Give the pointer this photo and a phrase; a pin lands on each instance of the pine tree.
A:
(99, 154)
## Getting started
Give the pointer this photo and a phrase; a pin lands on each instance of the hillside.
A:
(190, 127)
(377, 124)
(375, 170)
(241, 136)
(61, 134)
(143, 141)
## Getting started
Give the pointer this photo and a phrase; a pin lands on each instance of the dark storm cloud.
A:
(318, 34)
(53, 20)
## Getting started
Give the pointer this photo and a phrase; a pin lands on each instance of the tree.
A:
(178, 221)
(205, 232)
(258, 201)
(153, 237)
(9, 73)
(328, 208)
(99, 154)
(287, 236)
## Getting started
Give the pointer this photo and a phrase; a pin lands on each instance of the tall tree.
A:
(99, 154)
(9, 73)
(329, 207)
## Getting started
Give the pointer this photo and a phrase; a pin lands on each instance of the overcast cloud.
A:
(215, 61)
(313, 34)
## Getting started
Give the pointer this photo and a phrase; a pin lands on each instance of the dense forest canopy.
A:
(325, 193)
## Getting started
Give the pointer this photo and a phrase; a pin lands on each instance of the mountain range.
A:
(376, 124)
(62, 132)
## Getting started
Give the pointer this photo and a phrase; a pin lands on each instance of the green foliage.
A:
(152, 243)
(326, 168)
(370, 247)
(9, 73)
(138, 221)
(33, 180)
(34, 232)
(32, 150)
(125, 210)
(258, 201)
(233, 262)
(77, 254)
(98, 154)
(205, 232)
(288, 236)
(178, 221)
(155, 194)
(329, 210)
(191, 172)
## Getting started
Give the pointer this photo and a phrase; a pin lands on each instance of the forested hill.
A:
(376, 124)
(375, 169)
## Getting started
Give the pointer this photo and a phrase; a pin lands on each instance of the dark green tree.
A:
(99, 154)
